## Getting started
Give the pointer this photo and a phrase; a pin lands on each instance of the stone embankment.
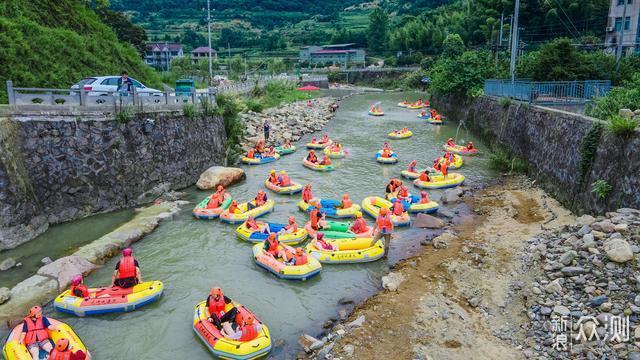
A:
(288, 122)
(55, 277)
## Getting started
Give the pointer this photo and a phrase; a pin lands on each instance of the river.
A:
(190, 256)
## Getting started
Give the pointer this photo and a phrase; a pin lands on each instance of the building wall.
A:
(60, 168)
(631, 35)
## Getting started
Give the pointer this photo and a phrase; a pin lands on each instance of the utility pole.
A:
(501, 23)
(620, 48)
(209, 31)
(510, 32)
(514, 42)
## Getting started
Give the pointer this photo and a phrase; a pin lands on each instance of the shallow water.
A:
(190, 256)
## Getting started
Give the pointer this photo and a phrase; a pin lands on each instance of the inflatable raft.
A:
(282, 270)
(285, 151)
(383, 160)
(244, 213)
(413, 206)
(411, 175)
(329, 208)
(400, 135)
(227, 348)
(354, 250)
(439, 182)
(376, 113)
(109, 300)
(462, 150)
(456, 164)
(256, 236)
(415, 106)
(201, 211)
(425, 116)
(337, 230)
(294, 188)
(14, 350)
(259, 160)
(317, 167)
(372, 204)
(334, 154)
(319, 145)
(403, 105)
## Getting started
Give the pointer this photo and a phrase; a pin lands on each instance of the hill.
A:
(56, 43)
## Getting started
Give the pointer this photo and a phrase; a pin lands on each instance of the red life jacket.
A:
(216, 306)
(398, 208)
(359, 226)
(306, 195)
(346, 203)
(443, 168)
(403, 192)
(315, 218)
(285, 180)
(273, 179)
(384, 223)
(424, 177)
(424, 200)
(249, 332)
(325, 245)
(260, 200)
(35, 330)
(127, 267)
(213, 203)
(60, 355)
(293, 226)
(273, 247)
(79, 291)
(300, 259)
(253, 225)
(251, 153)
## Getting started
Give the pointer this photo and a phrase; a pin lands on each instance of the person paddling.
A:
(127, 273)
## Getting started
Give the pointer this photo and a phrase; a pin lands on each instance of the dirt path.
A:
(456, 303)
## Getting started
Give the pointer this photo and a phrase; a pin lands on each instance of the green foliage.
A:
(623, 127)
(125, 30)
(280, 92)
(254, 105)
(426, 63)
(452, 46)
(504, 161)
(625, 97)
(206, 107)
(189, 111)
(125, 115)
(588, 150)
(505, 102)
(56, 43)
(334, 76)
(378, 30)
(229, 107)
(601, 188)
(465, 74)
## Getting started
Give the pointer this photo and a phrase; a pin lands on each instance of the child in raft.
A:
(386, 153)
(273, 178)
(259, 200)
(311, 157)
(392, 186)
(325, 139)
(320, 244)
(307, 195)
(424, 198)
(470, 146)
(325, 160)
(359, 224)
(245, 330)
(273, 247)
(283, 179)
(451, 143)
(346, 202)
(412, 166)
(299, 258)
(424, 176)
(287, 144)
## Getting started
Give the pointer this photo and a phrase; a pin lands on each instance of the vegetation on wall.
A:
(588, 150)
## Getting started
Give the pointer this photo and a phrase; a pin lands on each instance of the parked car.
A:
(107, 85)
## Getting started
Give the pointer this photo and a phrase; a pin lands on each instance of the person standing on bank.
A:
(383, 228)
(266, 126)
(125, 85)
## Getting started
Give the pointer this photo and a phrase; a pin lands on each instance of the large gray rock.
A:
(35, 290)
(7, 264)
(428, 221)
(392, 281)
(618, 250)
(64, 269)
(451, 195)
(585, 220)
(443, 241)
(5, 295)
(219, 175)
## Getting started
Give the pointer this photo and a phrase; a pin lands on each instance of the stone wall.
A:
(550, 141)
(62, 168)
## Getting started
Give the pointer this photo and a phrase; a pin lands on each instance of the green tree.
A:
(452, 46)
(378, 30)
(464, 75)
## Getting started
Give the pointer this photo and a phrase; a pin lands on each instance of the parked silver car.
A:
(108, 85)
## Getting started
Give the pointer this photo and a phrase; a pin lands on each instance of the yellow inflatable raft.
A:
(354, 250)
(227, 348)
(319, 145)
(413, 206)
(294, 188)
(456, 164)
(257, 236)
(376, 113)
(397, 135)
(14, 350)
(243, 213)
(462, 150)
(330, 208)
(317, 167)
(372, 204)
(439, 182)
(285, 271)
(334, 154)
(415, 106)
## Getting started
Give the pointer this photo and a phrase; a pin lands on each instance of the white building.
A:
(619, 19)
(159, 55)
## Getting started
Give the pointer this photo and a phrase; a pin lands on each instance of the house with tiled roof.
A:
(202, 52)
(159, 55)
(337, 54)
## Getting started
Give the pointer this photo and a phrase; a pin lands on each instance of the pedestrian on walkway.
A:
(125, 85)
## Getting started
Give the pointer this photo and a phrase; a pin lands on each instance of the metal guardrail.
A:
(548, 92)
(369, 69)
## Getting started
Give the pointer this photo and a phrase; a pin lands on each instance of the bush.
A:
(254, 105)
(506, 162)
(229, 107)
(505, 102)
(465, 74)
(334, 76)
(601, 188)
(207, 108)
(124, 115)
(189, 110)
(625, 97)
(622, 126)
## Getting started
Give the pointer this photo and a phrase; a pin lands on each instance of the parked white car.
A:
(106, 85)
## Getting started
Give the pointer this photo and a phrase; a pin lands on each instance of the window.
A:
(618, 24)
(627, 23)
(136, 83)
(110, 81)
(620, 2)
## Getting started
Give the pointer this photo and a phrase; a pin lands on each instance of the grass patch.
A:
(189, 111)
(124, 115)
(504, 102)
(504, 161)
(622, 126)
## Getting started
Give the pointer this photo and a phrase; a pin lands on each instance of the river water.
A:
(190, 256)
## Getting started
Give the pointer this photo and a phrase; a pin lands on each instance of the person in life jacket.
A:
(403, 192)
(299, 258)
(246, 331)
(251, 154)
(35, 332)
(127, 273)
(78, 289)
(386, 145)
(448, 156)
(312, 158)
(284, 179)
(252, 225)
(424, 198)
(424, 176)
(233, 207)
(346, 202)
(437, 117)
(433, 112)
(383, 228)
(213, 202)
(306, 193)
(315, 216)
(272, 246)
(325, 160)
(259, 146)
(325, 139)
(291, 227)
(62, 351)
(412, 166)
(372, 109)
(287, 144)
(273, 178)
(405, 130)
(359, 224)
(217, 198)
(314, 140)
(217, 305)
(309, 103)
(259, 200)
(271, 151)
(437, 165)
(423, 113)
(397, 208)
(451, 143)
(386, 153)
(470, 146)
(321, 244)
(392, 186)
(443, 168)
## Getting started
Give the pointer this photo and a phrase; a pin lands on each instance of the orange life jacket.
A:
(285, 180)
(249, 332)
(260, 200)
(127, 268)
(424, 200)
(251, 154)
(273, 247)
(273, 179)
(411, 167)
(216, 306)
(359, 226)
(312, 158)
(403, 192)
(346, 203)
(424, 177)
(79, 289)
(252, 225)
(300, 259)
(306, 195)
(384, 223)
(36, 331)
(213, 203)
(326, 160)
(325, 245)
(60, 355)
(443, 168)
(398, 208)
(293, 226)
(232, 209)
(315, 217)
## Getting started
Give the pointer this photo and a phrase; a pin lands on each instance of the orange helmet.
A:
(345, 196)
(35, 311)
(383, 211)
(216, 291)
(62, 344)
(248, 319)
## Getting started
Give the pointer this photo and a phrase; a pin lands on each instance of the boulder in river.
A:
(618, 250)
(392, 281)
(219, 175)
(5, 295)
(35, 290)
(451, 195)
(428, 221)
(7, 264)
(64, 269)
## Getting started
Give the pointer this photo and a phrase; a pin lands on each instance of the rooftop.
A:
(203, 49)
(333, 51)
(337, 45)
(164, 46)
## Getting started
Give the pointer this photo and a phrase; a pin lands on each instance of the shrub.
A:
(504, 161)
(229, 107)
(254, 105)
(124, 115)
(601, 188)
(189, 110)
(625, 97)
(463, 75)
(207, 108)
(622, 126)
(505, 102)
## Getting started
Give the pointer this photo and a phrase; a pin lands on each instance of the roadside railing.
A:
(548, 92)
(368, 69)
